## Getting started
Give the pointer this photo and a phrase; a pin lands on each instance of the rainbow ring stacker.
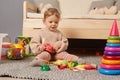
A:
(105, 61)
(111, 53)
(109, 72)
(114, 38)
(111, 57)
(110, 66)
(110, 63)
(112, 45)
(113, 41)
(112, 49)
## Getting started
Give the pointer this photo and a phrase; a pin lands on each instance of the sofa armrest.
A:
(28, 6)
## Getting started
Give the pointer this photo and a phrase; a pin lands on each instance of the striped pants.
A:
(62, 55)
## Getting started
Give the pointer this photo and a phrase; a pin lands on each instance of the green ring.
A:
(114, 37)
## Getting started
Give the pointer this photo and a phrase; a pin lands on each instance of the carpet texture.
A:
(21, 69)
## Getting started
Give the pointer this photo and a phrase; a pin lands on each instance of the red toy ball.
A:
(49, 48)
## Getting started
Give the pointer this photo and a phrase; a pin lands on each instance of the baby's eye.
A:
(50, 21)
(56, 22)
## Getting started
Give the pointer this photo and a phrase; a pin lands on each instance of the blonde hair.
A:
(50, 12)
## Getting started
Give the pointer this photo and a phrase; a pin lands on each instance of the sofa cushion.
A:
(101, 4)
(75, 8)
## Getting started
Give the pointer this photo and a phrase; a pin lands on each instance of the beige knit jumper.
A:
(46, 36)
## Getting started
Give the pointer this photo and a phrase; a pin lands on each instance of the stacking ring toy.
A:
(112, 45)
(109, 72)
(113, 41)
(105, 61)
(112, 53)
(111, 57)
(112, 49)
(114, 37)
(111, 67)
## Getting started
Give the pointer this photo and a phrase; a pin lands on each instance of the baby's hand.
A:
(42, 47)
(55, 48)
(57, 45)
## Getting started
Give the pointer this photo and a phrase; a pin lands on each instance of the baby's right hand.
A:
(49, 48)
(42, 47)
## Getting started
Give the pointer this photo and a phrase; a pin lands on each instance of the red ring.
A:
(110, 66)
(111, 57)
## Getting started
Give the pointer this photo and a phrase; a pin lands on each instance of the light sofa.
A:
(75, 22)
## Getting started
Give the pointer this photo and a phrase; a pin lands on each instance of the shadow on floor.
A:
(86, 51)
(86, 47)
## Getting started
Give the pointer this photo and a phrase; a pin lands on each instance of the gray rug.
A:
(21, 69)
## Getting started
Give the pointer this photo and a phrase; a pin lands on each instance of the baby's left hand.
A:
(56, 48)
(57, 45)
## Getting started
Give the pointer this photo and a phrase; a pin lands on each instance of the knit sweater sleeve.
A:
(35, 43)
(64, 44)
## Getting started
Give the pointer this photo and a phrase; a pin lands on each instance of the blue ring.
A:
(109, 72)
(112, 45)
(112, 53)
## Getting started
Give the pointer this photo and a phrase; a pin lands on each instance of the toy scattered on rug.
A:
(73, 65)
(25, 42)
(17, 50)
(15, 53)
(86, 67)
(20, 49)
(45, 68)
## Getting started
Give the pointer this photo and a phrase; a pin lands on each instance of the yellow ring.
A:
(105, 61)
(113, 41)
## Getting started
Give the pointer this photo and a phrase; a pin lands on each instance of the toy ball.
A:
(45, 68)
(15, 53)
(49, 48)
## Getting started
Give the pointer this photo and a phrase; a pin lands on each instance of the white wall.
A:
(11, 17)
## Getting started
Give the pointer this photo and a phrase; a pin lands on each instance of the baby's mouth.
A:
(53, 27)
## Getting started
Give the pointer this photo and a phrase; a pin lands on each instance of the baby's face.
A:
(51, 22)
